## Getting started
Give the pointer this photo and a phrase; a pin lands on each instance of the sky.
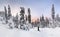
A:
(37, 7)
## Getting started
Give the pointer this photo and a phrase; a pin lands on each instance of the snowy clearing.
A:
(44, 32)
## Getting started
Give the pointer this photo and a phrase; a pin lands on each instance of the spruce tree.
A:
(47, 21)
(29, 16)
(9, 12)
(42, 18)
(22, 21)
(57, 17)
(5, 13)
(53, 12)
(53, 15)
(16, 21)
(43, 21)
(22, 12)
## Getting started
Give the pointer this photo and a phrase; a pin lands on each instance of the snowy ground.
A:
(48, 32)
(44, 32)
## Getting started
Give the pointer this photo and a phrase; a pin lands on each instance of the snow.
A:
(48, 32)
(5, 31)
(17, 33)
(44, 32)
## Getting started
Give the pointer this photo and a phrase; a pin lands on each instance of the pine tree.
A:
(53, 15)
(38, 21)
(22, 12)
(47, 21)
(22, 21)
(9, 12)
(26, 21)
(42, 18)
(5, 14)
(57, 17)
(43, 21)
(29, 16)
(16, 21)
(53, 12)
(17, 17)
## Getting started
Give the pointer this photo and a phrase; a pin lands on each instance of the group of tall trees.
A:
(22, 15)
(16, 21)
(7, 13)
(24, 18)
(44, 22)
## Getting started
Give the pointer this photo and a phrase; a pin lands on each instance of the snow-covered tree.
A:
(10, 24)
(57, 17)
(53, 15)
(16, 21)
(42, 18)
(53, 12)
(5, 14)
(47, 21)
(22, 21)
(9, 12)
(42, 21)
(29, 16)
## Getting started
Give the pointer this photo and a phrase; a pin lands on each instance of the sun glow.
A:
(34, 19)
